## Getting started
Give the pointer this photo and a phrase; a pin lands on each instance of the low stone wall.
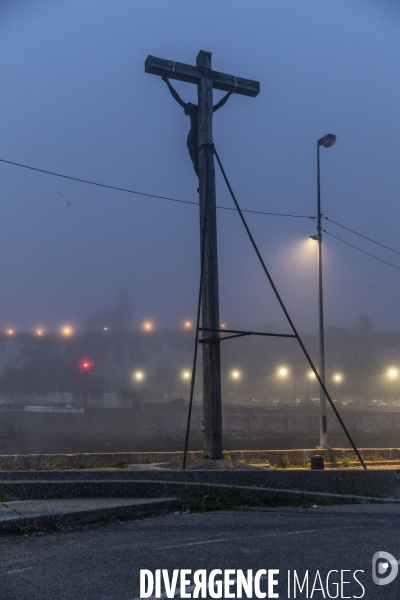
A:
(123, 459)
(161, 427)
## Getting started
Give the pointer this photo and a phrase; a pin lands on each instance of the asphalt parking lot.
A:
(102, 562)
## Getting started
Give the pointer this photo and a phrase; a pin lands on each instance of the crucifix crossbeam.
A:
(191, 74)
(201, 150)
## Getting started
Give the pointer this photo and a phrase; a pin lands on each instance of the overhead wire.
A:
(129, 191)
(168, 198)
(361, 250)
(360, 234)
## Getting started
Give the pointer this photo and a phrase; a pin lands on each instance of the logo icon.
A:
(384, 563)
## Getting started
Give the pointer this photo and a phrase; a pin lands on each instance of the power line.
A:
(364, 251)
(361, 235)
(126, 190)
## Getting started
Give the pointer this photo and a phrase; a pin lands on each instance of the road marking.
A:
(252, 537)
(18, 570)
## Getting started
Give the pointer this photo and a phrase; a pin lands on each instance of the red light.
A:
(86, 366)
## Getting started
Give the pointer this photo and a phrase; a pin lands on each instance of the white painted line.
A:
(18, 570)
(252, 537)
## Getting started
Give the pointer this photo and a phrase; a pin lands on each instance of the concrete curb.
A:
(253, 495)
(50, 521)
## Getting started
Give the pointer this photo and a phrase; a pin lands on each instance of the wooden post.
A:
(212, 411)
(206, 79)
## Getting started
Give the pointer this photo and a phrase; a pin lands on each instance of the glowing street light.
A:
(39, 331)
(188, 324)
(283, 372)
(223, 325)
(86, 368)
(392, 373)
(311, 376)
(67, 331)
(138, 376)
(10, 332)
(148, 326)
(337, 378)
(235, 374)
(185, 375)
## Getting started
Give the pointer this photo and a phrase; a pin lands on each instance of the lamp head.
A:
(327, 141)
(314, 237)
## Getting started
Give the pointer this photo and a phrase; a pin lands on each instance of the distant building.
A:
(113, 319)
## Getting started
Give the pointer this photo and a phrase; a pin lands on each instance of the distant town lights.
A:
(39, 331)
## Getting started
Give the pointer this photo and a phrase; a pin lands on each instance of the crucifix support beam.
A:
(191, 74)
(206, 80)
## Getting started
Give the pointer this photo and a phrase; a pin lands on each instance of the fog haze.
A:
(75, 100)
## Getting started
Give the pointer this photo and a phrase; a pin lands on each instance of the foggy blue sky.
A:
(75, 99)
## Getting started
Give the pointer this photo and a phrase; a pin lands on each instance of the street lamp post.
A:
(235, 376)
(327, 141)
(86, 367)
(392, 374)
(283, 372)
(311, 376)
(337, 378)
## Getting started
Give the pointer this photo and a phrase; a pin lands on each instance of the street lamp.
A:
(86, 367)
(337, 378)
(392, 374)
(235, 376)
(311, 376)
(67, 331)
(327, 141)
(282, 372)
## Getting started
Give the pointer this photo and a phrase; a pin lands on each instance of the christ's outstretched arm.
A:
(222, 101)
(174, 93)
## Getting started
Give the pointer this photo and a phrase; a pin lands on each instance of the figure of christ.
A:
(192, 111)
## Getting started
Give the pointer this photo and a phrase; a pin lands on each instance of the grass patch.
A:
(234, 501)
(28, 528)
(210, 502)
(226, 455)
(123, 464)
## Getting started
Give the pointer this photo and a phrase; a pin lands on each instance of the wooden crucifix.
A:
(206, 80)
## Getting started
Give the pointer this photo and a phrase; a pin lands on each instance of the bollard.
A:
(317, 462)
